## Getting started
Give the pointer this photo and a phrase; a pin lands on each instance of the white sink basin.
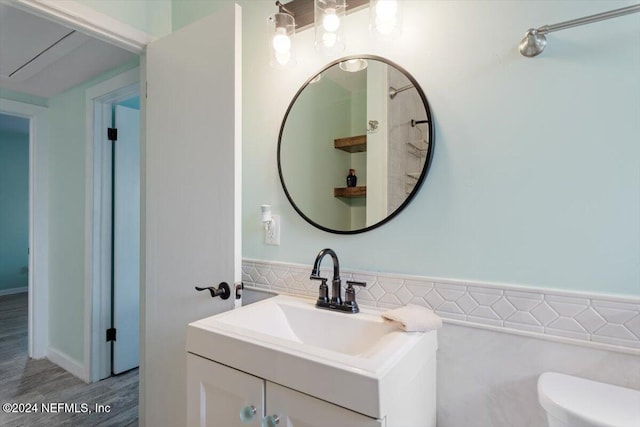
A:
(353, 360)
(297, 321)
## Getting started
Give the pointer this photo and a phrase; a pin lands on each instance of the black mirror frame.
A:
(425, 169)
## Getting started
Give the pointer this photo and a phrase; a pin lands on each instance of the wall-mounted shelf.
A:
(350, 192)
(352, 144)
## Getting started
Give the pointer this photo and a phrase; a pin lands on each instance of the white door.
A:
(126, 240)
(191, 205)
(217, 395)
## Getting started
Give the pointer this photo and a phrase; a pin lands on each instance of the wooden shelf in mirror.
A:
(350, 192)
(351, 144)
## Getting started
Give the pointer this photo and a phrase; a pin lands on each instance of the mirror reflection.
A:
(355, 145)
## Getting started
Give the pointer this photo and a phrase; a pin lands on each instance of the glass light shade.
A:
(385, 18)
(328, 20)
(281, 27)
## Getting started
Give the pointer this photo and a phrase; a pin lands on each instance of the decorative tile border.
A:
(611, 321)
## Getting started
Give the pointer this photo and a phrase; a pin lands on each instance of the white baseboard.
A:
(66, 362)
(12, 291)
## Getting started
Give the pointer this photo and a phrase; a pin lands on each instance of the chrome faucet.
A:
(335, 302)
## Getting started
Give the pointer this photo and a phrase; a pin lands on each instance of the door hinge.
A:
(111, 334)
(146, 90)
(112, 134)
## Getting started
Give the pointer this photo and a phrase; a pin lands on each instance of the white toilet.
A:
(576, 402)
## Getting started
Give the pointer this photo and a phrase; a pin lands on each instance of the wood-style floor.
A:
(29, 381)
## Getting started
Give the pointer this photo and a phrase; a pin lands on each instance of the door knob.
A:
(223, 290)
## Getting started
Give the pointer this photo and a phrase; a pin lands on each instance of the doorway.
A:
(113, 112)
(36, 250)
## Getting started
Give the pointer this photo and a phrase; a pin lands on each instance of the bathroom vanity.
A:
(283, 362)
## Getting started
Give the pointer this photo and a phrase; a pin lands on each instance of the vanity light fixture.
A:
(385, 18)
(328, 21)
(325, 15)
(281, 28)
(353, 65)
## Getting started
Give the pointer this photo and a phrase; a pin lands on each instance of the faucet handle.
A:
(323, 290)
(350, 295)
(351, 283)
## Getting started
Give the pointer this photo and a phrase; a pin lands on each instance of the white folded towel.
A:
(414, 318)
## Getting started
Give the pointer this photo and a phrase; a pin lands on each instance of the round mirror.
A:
(355, 145)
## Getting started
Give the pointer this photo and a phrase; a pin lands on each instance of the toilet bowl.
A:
(575, 402)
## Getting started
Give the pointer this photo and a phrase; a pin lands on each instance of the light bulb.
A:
(385, 18)
(281, 41)
(330, 22)
(387, 9)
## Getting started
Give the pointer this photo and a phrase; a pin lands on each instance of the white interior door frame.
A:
(99, 101)
(38, 223)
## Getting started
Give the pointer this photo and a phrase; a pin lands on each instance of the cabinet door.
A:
(295, 409)
(216, 394)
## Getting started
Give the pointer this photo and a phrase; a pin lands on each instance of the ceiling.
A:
(43, 58)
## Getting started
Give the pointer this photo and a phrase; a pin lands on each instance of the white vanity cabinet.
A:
(309, 367)
(217, 394)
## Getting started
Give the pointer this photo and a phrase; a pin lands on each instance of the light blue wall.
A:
(14, 208)
(536, 173)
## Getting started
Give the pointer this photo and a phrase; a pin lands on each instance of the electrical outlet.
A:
(272, 233)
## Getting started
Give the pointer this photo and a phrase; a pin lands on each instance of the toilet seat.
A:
(577, 401)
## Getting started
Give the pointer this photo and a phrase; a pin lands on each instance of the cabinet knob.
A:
(247, 414)
(270, 421)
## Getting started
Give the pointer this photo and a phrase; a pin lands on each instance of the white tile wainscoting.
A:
(600, 321)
